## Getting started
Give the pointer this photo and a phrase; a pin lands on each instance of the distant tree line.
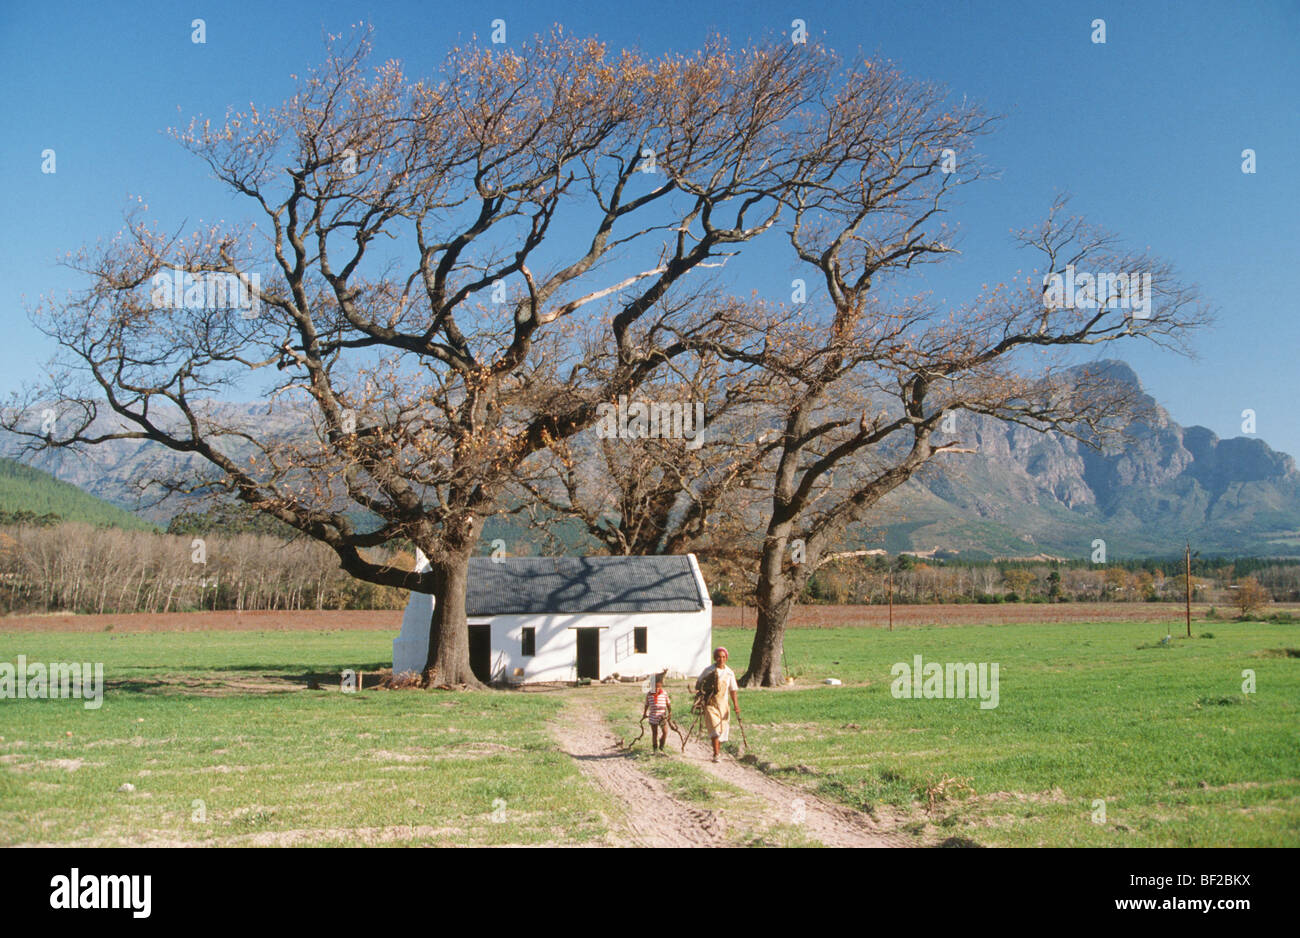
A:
(241, 560)
(80, 568)
(865, 580)
(8, 518)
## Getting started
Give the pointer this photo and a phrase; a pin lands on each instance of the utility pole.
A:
(891, 597)
(1188, 558)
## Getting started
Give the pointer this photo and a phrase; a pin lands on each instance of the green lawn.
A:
(275, 765)
(1163, 735)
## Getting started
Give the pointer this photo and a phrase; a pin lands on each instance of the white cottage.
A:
(568, 618)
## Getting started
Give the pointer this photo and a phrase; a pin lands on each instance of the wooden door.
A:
(589, 654)
(480, 652)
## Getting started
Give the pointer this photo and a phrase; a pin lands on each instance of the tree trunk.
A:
(769, 640)
(774, 601)
(448, 658)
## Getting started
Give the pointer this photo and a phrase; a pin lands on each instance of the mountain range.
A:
(1027, 493)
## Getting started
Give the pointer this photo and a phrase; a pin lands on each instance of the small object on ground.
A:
(68, 733)
(1166, 640)
(833, 681)
(939, 790)
(126, 786)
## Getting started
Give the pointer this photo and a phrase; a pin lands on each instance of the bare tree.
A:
(447, 277)
(911, 365)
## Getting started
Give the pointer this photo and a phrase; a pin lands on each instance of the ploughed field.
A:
(390, 620)
(877, 616)
(1103, 734)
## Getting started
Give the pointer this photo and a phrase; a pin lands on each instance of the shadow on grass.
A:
(180, 687)
(246, 679)
(289, 670)
(369, 673)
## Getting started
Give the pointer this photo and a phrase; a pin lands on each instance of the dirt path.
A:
(833, 825)
(654, 818)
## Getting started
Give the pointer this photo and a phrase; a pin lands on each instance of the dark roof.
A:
(517, 585)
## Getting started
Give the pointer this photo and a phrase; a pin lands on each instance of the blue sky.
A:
(1145, 131)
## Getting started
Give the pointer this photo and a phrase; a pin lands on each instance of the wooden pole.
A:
(1188, 558)
(891, 599)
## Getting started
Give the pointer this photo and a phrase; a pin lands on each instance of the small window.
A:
(529, 643)
(639, 639)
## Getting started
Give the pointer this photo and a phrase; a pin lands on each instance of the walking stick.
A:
(742, 730)
(690, 730)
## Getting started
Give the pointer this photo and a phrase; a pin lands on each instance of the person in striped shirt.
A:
(659, 708)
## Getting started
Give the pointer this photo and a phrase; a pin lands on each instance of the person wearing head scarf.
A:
(717, 683)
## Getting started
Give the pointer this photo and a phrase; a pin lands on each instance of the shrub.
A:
(1250, 597)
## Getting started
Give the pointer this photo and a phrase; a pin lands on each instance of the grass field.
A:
(225, 744)
(1162, 734)
(274, 763)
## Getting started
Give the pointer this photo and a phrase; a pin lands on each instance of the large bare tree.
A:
(862, 402)
(437, 280)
